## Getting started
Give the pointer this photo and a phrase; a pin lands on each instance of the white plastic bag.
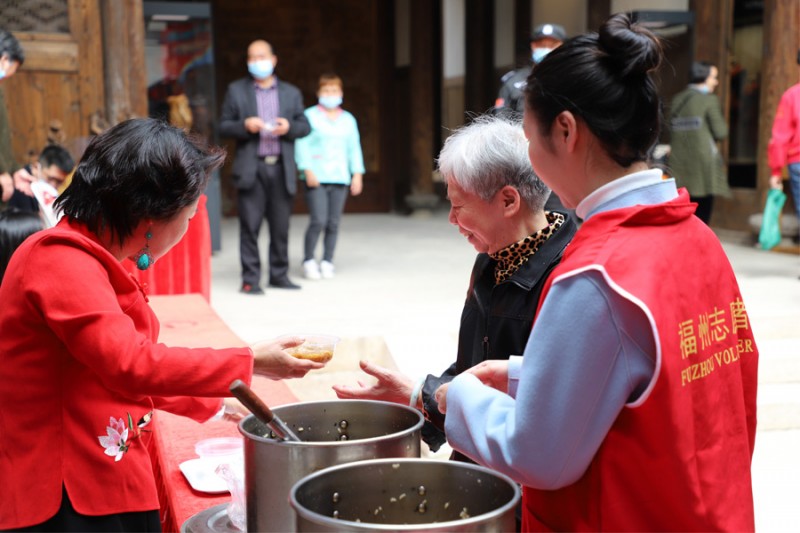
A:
(233, 474)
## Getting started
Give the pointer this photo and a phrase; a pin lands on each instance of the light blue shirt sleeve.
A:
(574, 379)
(355, 157)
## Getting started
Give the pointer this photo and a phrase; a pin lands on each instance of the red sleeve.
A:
(199, 409)
(96, 310)
(783, 129)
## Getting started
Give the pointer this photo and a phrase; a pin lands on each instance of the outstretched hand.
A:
(234, 411)
(392, 386)
(271, 359)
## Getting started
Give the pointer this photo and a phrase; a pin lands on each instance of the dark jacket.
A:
(511, 99)
(240, 103)
(496, 321)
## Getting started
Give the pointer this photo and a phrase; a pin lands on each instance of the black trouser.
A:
(267, 198)
(67, 519)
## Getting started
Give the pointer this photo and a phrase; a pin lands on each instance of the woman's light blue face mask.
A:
(330, 102)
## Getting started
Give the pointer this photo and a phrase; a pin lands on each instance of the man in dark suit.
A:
(265, 116)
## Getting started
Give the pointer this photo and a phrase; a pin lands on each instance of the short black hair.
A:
(54, 154)
(9, 45)
(699, 71)
(16, 225)
(142, 168)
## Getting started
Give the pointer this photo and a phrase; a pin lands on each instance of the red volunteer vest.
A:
(678, 459)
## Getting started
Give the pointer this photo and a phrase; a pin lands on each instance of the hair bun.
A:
(631, 48)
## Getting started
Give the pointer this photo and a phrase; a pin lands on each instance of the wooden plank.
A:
(51, 56)
(33, 100)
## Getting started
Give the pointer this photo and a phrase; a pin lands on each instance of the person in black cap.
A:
(545, 37)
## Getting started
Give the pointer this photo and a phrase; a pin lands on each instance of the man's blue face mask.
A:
(260, 69)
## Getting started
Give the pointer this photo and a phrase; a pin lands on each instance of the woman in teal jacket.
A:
(331, 162)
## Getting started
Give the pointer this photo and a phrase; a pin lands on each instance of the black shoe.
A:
(284, 283)
(251, 289)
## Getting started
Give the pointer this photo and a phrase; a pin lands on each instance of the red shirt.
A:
(678, 458)
(78, 347)
(784, 145)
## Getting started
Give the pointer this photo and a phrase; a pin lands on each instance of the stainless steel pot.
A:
(405, 495)
(332, 433)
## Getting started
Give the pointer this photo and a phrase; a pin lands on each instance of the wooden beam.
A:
(779, 71)
(84, 25)
(713, 42)
(123, 60)
(597, 11)
(481, 85)
(424, 33)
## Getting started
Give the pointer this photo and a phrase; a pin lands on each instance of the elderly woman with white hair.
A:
(497, 202)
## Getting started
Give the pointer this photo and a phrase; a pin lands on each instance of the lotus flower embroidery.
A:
(116, 439)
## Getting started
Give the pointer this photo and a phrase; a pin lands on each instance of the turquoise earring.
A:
(144, 259)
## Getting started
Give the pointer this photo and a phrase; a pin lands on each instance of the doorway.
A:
(179, 59)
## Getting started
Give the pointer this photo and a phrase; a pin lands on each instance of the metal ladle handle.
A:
(245, 394)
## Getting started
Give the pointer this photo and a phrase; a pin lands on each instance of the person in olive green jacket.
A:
(697, 124)
(11, 57)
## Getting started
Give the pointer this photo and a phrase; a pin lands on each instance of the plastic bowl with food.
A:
(318, 348)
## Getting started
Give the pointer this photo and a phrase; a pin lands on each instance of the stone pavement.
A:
(403, 280)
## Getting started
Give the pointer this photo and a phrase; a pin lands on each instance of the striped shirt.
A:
(267, 104)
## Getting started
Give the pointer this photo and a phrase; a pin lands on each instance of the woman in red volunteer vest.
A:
(80, 367)
(634, 408)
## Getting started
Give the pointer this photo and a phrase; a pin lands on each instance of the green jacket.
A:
(697, 123)
(7, 163)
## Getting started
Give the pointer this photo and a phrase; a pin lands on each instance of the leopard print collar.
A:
(512, 257)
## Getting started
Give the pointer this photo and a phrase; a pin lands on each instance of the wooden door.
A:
(61, 82)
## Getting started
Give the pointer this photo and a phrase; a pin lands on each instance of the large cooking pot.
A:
(405, 495)
(331, 433)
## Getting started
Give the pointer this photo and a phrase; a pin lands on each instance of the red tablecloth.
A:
(188, 320)
(186, 268)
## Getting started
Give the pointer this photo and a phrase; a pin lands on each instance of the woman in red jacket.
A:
(80, 367)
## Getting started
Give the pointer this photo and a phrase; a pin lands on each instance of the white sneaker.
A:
(326, 269)
(311, 269)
